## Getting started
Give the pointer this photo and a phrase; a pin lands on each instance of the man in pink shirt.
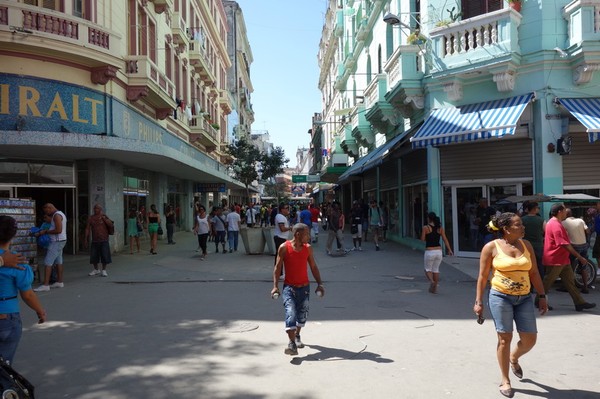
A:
(557, 248)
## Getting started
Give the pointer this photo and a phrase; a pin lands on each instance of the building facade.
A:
(443, 106)
(124, 104)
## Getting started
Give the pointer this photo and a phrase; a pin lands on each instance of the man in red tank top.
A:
(293, 256)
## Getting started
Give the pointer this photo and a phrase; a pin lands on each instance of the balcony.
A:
(339, 23)
(47, 33)
(225, 102)
(583, 18)
(404, 75)
(200, 62)
(179, 29)
(348, 142)
(161, 6)
(361, 127)
(485, 43)
(202, 133)
(380, 113)
(146, 80)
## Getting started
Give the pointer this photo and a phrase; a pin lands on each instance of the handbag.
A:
(139, 227)
(160, 230)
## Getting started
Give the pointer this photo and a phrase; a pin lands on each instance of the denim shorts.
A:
(507, 308)
(54, 255)
(295, 302)
(100, 252)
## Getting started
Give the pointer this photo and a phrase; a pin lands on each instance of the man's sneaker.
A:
(42, 288)
(94, 272)
(104, 273)
(291, 349)
(58, 285)
(360, 248)
(299, 343)
(586, 305)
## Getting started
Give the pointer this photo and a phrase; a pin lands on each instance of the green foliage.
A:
(248, 161)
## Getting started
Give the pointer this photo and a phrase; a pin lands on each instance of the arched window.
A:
(389, 41)
(368, 69)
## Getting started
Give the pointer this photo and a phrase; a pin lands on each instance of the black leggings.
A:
(278, 241)
(202, 242)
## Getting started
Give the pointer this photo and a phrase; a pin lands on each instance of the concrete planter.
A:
(253, 240)
(268, 233)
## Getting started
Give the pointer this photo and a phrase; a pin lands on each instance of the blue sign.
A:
(32, 104)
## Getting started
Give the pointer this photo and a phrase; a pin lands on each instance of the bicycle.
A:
(591, 271)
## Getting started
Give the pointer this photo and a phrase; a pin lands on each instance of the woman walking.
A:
(431, 234)
(133, 232)
(14, 281)
(153, 221)
(201, 229)
(512, 262)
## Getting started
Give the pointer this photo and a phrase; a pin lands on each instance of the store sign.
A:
(47, 105)
(210, 187)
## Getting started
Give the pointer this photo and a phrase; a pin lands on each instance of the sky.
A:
(284, 37)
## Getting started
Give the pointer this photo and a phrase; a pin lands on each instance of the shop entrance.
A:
(64, 200)
(460, 212)
(6, 192)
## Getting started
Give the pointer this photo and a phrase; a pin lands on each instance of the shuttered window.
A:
(414, 167)
(472, 8)
(581, 166)
(487, 160)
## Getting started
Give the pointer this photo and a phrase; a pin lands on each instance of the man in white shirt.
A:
(577, 232)
(250, 215)
(282, 226)
(233, 229)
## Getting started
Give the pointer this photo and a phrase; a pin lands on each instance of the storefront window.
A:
(390, 201)
(416, 198)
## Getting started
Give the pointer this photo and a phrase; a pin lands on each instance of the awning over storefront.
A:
(587, 111)
(471, 122)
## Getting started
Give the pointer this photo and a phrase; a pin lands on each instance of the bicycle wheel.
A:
(590, 268)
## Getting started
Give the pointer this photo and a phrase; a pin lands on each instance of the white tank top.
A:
(63, 235)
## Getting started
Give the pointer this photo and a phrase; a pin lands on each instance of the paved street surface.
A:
(172, 326)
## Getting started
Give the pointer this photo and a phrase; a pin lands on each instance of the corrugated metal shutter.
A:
(370, 180)
(581, 166)
(388, 174)
(414, 167)
(488, 159)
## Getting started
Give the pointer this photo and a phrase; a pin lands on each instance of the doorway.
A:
(6, 192)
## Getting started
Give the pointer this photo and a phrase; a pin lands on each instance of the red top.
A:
(554, 252)
(295, 264)
(314, 215)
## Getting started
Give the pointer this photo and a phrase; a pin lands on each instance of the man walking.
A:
(233, 229)
(375, 219)
(315, 213)
(99, 227)
(293, 256)
(557, 248)
(58, 239)
(577, 232)
(282, 227)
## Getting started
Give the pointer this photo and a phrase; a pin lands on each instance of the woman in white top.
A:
(201, 229)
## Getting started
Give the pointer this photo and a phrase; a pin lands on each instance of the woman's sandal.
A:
(516, 369)
(509, 393)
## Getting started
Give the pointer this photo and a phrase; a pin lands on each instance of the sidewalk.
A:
(171, 325)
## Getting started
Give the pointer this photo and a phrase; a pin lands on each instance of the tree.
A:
(248, 161)
(244, 165)
(276, 189)
(273, 164)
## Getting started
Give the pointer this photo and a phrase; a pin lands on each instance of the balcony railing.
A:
(141, 71)
(179, 29)
(49, 24)
(406, 63)
(376, 90)
(583, 17)
(201, 62)
(483, 38)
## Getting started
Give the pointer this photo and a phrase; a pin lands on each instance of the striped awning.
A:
(471, 122)
(587, 111)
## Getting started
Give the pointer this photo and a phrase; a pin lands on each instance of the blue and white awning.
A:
(471, 122)
(587, 111)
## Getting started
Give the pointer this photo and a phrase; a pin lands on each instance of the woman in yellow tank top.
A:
(513, 266)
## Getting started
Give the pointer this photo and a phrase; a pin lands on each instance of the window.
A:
(142, 31)
(49, 4)
(472, 8)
